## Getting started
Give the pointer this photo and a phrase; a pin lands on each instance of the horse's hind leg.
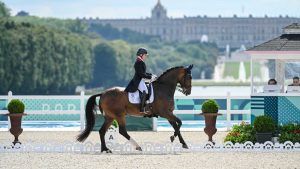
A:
(123, 132)
(102, 132)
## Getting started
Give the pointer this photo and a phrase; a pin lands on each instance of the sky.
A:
(111, 9)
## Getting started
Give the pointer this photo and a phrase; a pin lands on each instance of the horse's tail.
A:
(89, 117)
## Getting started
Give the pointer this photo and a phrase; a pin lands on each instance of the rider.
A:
(138, 83)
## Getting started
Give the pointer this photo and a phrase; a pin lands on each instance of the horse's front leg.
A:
(179, 123)
(176, 124)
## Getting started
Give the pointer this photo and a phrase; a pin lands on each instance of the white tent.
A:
(283, 49)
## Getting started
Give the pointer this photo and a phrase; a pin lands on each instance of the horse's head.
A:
(185, 80)
(175, 75)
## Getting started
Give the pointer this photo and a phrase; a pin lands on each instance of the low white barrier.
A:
(147, 147)
(72, 109)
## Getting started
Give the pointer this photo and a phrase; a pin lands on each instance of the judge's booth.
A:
(281, 101)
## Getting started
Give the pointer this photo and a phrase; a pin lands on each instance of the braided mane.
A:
(167, 71)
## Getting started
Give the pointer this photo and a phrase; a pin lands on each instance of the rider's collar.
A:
(140, 58)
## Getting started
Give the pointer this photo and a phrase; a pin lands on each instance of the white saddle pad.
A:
(134, 98)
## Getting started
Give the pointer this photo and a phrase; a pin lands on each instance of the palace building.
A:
(233, 31)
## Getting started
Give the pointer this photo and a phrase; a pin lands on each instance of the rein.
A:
(178, 86)
(181, 88)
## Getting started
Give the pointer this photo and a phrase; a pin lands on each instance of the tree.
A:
(4, 11)
(74, 26)
(37, 60)
(104, 72)
(78, 26)
(110, 33)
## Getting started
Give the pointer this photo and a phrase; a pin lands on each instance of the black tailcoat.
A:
(140, 72)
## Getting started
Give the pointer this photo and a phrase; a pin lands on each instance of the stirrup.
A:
(148, 114)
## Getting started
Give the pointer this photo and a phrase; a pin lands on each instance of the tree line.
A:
(110, 33)
(35, 59)
(53, 56)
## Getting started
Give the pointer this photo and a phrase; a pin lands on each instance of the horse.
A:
(114, 104)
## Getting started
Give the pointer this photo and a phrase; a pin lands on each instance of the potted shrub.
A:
(16, 111)
(264, 127)
(210, 110)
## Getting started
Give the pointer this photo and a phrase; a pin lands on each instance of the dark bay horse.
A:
(114, 104)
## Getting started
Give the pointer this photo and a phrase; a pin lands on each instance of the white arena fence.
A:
(147, 147)
(75, 105)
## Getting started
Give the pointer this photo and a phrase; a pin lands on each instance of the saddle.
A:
(134, 97)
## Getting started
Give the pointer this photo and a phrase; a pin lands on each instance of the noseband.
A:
(183, 89)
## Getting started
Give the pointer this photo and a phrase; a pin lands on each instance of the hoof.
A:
(185, 146)
(212, 142)
(139, 149)
(154, 115)
(16, 142)
(172, 138)
(147, 116)
(106, 150)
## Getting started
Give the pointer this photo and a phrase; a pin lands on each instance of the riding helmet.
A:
(141, 51)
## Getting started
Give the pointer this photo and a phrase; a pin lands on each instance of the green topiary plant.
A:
(15, 106)
(210, 110)
(210, 106)
(264, 124)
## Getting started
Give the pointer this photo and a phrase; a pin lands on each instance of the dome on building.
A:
(159, 12)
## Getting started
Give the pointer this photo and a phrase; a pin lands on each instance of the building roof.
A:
(293, 26)
(159, 5)
(289, 41)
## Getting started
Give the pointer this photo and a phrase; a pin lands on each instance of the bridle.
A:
(183, 89)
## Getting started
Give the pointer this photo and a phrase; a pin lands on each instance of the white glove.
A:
(153, 77)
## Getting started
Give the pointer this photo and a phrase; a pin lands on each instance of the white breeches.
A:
(142, 86)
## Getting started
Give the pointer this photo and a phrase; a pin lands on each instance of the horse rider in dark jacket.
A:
(138, 83)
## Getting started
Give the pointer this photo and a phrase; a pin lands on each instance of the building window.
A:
(158, 14)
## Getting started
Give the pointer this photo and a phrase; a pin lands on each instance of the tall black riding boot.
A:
(143, 101)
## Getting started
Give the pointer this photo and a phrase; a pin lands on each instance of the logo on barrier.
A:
(47, 107)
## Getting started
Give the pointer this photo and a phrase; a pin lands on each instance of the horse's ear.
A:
(190, 67)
